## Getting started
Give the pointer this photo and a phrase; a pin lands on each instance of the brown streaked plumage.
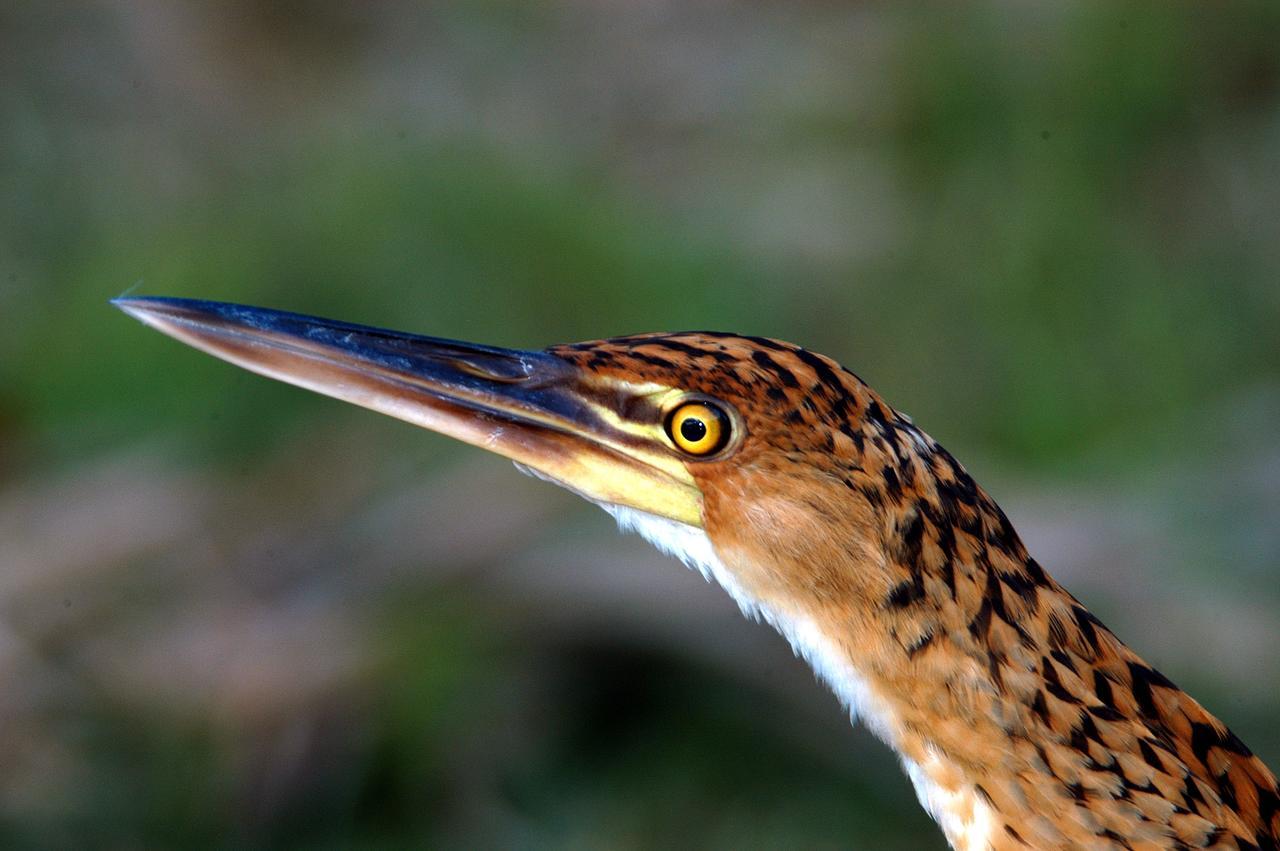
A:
(1021, 719)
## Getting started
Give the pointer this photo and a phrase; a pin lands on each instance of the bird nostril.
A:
(514, 368)
(507, 372)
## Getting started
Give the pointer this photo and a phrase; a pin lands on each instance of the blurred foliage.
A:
(1048, 233)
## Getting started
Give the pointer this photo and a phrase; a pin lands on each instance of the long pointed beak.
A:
(529, 406)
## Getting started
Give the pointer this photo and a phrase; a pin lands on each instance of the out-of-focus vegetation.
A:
(233, 614)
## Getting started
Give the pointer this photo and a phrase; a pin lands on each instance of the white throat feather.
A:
(966, 820)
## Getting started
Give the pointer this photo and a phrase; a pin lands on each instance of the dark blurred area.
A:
(233, 614)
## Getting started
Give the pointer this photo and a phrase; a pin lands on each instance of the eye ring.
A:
(699, 427)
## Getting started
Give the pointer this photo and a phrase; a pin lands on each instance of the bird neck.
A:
(900, 618)
(1021, 720)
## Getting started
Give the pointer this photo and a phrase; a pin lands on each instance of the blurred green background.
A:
(233, 614)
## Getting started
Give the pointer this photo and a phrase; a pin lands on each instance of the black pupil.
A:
(693, 429)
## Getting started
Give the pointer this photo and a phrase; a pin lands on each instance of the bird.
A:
(1021, 720)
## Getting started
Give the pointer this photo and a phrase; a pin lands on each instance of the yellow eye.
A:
(698, 428)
